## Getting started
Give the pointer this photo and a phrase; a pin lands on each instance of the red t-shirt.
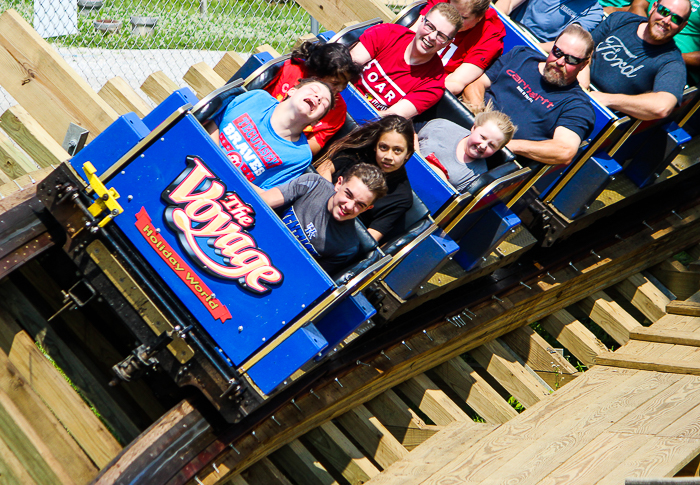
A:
(327, 126)
(387, 78)
(479, 45)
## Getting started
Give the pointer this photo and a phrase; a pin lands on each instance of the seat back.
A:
(409, 14)
(217, 101)
(263, 75)
(251, 65)
(349, 36)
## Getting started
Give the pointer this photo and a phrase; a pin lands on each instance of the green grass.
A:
(229, 25)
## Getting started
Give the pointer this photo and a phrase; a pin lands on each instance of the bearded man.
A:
(636, 66)
(542, 97)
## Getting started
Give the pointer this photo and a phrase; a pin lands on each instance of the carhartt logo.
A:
(527, 92)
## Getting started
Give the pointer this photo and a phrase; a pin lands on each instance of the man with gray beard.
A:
(636, 66)
(542, 96)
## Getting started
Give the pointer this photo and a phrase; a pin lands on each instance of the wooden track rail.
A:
(464, 362)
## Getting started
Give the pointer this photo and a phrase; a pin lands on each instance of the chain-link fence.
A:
(102, 39)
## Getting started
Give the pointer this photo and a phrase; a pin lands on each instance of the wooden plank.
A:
(267, 48)
(686, 308)
(24, 183)
(549, 364)
(304, 38)
(372, 436)
(237, 480)
(644, 295)
(47, 429)
(410, 438)
(432, 400)
(12, 160)
(28, 446)
(32, 137)
(64, 402)
(651, 334)
(44, 84)
(229, 64)
(475, 391)
(332, 15)
(682, 281)
(11, 469)
(158, 86)
(433, 454)
(265, 472)
(678, 322)
(297, 462)
(122, 97)
(202, 79)
(505, 368)
(609, 316)
(340, 453)
(658, 457)
(643, 363)
(399, 419)
(15, 307)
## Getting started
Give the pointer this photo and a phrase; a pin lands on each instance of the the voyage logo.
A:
(614, 51)
(211, 224)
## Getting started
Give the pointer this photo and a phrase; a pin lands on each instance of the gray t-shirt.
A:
(334, 244)
(441, 137)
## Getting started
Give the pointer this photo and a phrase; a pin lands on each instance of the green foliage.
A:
(478, 419)
(515, 404)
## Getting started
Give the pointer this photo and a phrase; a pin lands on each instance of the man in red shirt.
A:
(402, 74)
(477, 44)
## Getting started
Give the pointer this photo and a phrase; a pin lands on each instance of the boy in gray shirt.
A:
(321, 215)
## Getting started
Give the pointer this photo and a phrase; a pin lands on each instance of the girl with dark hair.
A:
(330, 63)
(387, 143)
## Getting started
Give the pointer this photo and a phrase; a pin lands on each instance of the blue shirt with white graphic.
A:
(547, 18)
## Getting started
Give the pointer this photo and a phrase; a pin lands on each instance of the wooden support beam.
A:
(340, 453)
(505, 368)
(12, 160)
(44, 84)
(547, 363)
(65, 403)
(641, 362)
(122, 97)
(686, 308)
(332, 15)
(681, 281)
(475, 391)
(574, 336)
(265, 472)
(297, 462)
(609, 316)
(372, 436)
(399, 419)
(237, 480)
(202, 79)
(267, 48)
(644, 295)
(304, 38)
(432, 400)
(650, 334)
(32, 137)
(158, 86)
(229, 64)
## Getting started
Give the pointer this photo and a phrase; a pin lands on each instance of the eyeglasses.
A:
(441, 37)
(665, 12)
(568, 58)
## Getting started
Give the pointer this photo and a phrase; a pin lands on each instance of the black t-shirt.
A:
(389, 211)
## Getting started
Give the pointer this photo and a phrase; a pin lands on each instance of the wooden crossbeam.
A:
(340, 453)
(228, 65)
(374, 438)
(32, 137)
(264, 471)
(432, 400)
(297, 462)
(549, 364)
(475, 391)
(574, 336)
(202, 79)
(12, 160)
(122, 97)
(334, 14)
(44, 84)
(505, 368)
(267, 48)
(158, 86)
(686, 308)
(610, 316)
(682, 281)
(650, 334)
(399, 419)
(644, 295)
(641, 362)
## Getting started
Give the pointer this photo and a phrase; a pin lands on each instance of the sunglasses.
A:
(568, 58)
(441, 37)
(665, 12)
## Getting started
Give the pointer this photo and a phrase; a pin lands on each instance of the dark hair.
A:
(371, 176)
(309, 80)
(327, 60)
(363, 140)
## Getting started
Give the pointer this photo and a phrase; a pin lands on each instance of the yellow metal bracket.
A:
(107, 198)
